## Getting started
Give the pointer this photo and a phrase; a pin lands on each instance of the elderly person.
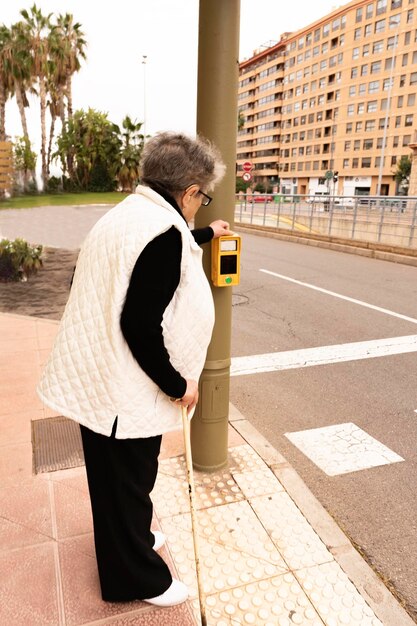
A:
(130, 349)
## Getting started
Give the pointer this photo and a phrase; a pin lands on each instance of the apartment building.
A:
(338, 96)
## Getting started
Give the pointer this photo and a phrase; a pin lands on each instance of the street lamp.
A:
(144, 59)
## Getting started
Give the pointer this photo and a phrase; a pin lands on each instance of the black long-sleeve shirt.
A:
(154, 279)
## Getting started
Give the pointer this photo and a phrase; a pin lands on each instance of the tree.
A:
(5, 81)
(132, 145)
(95, 145)
(24, 161)
(240, 121)
(402, 174)
(38, 29)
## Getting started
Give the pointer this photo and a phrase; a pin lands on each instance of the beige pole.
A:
(218, 67)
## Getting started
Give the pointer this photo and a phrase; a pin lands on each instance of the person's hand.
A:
(190, 398)
(220, 228)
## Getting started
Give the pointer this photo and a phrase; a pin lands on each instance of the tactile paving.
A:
(170, 494)
(298, 543)
(259, 482)
(279, 601)
(244, 459)
(234, 547)
(335, 598)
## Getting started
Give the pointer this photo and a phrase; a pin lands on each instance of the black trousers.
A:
(121, 474)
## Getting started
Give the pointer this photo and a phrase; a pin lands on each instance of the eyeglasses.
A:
(206, 199)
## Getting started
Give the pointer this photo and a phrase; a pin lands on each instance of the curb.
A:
(385, 606)
(350, 248)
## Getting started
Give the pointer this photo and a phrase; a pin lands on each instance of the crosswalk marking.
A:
(322, 355)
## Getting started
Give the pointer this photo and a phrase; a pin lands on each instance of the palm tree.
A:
(131, 150)
(71, 50)
(38, 30)
(20, 67)
(5, 79)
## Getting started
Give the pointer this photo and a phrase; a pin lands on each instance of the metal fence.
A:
(389, 220)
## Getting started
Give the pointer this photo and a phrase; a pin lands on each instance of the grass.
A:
(62, 199)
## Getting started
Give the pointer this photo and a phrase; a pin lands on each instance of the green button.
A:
(228, 280)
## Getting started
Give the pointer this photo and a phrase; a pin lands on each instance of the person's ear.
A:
(189, 195)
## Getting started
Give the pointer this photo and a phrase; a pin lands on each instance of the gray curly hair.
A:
(175, 161)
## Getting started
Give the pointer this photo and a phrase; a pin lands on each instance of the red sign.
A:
(247, 166)
(247, 176)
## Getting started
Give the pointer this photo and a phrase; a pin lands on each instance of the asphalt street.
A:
(376, 507)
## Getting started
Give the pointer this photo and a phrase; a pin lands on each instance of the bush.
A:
(19, 260)
(54, 184)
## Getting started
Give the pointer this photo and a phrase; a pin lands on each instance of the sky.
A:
(113, 78)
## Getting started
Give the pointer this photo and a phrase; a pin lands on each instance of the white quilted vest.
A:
(91, 375)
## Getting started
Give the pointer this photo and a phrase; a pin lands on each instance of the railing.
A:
(390, 220)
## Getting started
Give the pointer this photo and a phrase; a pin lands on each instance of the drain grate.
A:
(56, 444)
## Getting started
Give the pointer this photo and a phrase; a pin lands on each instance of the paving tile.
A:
(234, 547)
(257, 483)
(73, 509)
(170, 494)
(180, 615)
(244, 459)
(342, 448)
(81, 592)
(19, 327)
(28, 587)
(15, 463)
(15, 427)
(19, 402)
(11, 345)
(336, 599)
(25, 515)
(278, 601)
(299, 545)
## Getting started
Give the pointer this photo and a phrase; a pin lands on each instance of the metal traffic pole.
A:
(218, 69)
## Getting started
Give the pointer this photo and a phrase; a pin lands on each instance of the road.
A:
(375, 506)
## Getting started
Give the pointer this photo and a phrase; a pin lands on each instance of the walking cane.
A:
(194, 522)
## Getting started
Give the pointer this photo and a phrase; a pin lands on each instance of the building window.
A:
(414, 57)
(354, 72)
(389, 63)
(370, 125)
(357, 145)
(406, 140)
(397, 121)
(394, 20)
(336, 24)
(411, 99)
(373, 86)
(355, 163)
(364, 70)
(410, 16)
(400, 101)
(380, 143)
(358, 127)
(367, 30)
(347, 145)
(388, 82)
(413, 78)
(402, 80)
(349, 128)
(372, 106)
(345, 163)
(369, 11)
(326, 30)
(317, 34)
(384, 104)
(351, 109)
(378, 46)
(361, 107)
(366, 162)
(396, 4)
(407, 38)
(381, 6)
(408, 120)
(375, 67)
(357, 34)
(362, 89)
(368, 144)
(352, 91)
(355, 53)
(383, 123)
(395, 141)
(378, 161)
(393, 160)
(404, 61)
(324, 47)
(380, 26)
(359, 15)
(365, 50)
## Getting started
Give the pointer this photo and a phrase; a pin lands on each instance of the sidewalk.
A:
(271, 555)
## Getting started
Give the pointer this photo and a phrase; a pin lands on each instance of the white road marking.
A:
(342, 448)
(338, 295)
(322, 355)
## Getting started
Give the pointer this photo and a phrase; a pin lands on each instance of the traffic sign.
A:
(247, 166)
(247, 176)
(328, 175)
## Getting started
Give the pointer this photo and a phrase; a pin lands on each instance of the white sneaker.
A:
(176, 593)
(159, 539)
